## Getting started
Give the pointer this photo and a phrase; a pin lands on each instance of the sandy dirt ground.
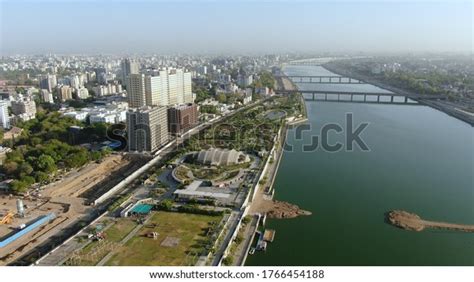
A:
(288, 84)
(62, 198)
(78, 181)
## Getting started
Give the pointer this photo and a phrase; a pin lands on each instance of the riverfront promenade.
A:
(54, 254)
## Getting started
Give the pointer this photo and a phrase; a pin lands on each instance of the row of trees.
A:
(265, 79)
(39, 164)
(209, 109)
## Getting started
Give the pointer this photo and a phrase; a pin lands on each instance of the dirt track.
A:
(63, 197)
(77, 182)
(411, 221)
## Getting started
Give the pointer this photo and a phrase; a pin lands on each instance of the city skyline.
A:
(293, 136)
(94, 27)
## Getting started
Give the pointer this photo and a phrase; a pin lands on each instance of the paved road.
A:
(249, 234)
(233, 221)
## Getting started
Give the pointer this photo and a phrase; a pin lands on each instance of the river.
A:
(420, 160)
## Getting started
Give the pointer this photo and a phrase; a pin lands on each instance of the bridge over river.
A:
(362, 97)
(323, 79)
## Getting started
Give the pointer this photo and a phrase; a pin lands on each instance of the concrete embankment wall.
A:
(267, 164)
(235, 232)
(247, 248)
(131, 177)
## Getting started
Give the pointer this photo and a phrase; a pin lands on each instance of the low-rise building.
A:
(114, 112)
(247, 96)
(78, 115)
(194, 191)
(219, 157)
(82, 93)
(24, 108)
(14, 132)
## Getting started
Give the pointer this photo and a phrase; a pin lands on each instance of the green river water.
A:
(420, 160)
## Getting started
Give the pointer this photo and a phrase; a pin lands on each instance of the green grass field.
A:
(114, 233)
(190, 229)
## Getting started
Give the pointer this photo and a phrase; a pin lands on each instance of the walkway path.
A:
(124, 240)
(411, 221)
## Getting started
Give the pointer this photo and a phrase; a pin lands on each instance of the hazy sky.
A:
(231, 26)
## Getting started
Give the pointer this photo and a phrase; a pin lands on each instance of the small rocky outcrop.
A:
(285, 210)
(405, 220)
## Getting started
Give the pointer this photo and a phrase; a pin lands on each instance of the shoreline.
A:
(273, 227)
(440, 106)
(263, 202)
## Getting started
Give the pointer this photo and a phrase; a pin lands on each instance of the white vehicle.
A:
(252, 251)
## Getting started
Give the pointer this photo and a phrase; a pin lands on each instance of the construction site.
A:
(48, 212)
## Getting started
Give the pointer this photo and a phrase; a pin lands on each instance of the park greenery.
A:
(202, 94)
(265, 79)
(192, 208)
(18, 77)
(415, 75)
(247, 131)
(427, 83)
(196, 233)
(209, 109)
(46, 147)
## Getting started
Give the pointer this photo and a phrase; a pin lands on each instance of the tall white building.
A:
(154, 85)
(4, 118)
(169, 87)
(47, 96)
(75, 82)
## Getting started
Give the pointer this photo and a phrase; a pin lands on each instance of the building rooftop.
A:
(191, 190)
(214, 156)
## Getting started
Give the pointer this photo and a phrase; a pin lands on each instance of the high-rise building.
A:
(101, 75)
(169, 87)
(48, 82)
(128, 67)
(64, 93)
(136, 90)
(90, 75)
(154, 91)
(244, 80)
(182, 118)
(147, 128)
(47, 96)
(4, 118)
